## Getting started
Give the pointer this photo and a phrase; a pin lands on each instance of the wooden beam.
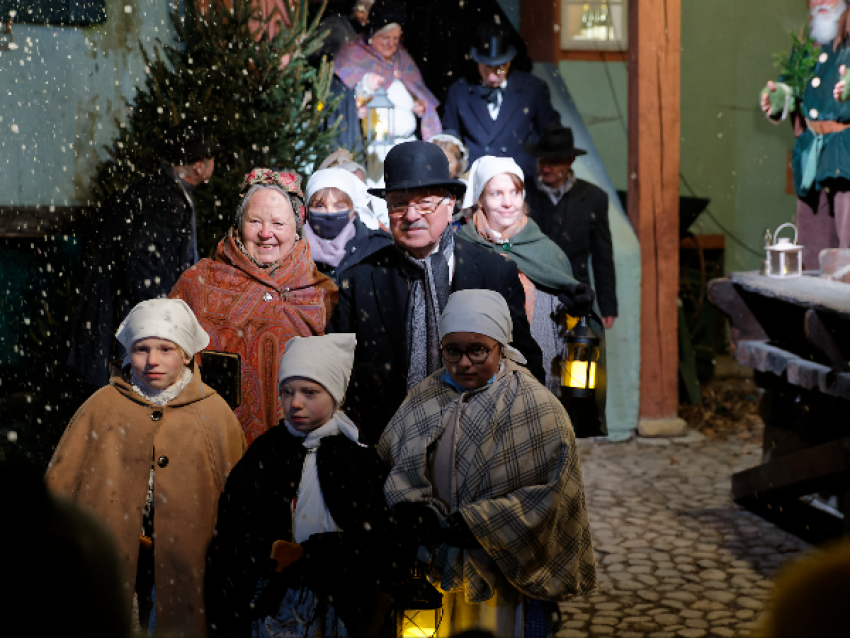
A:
(538, 20)
(654, 100)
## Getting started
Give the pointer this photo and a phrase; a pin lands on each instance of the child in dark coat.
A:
(309, 482)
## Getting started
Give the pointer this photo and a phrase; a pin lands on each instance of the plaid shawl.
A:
(357, 58)
(254, 311)
(518, 484)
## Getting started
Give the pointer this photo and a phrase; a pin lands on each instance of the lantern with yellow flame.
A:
(581, 354)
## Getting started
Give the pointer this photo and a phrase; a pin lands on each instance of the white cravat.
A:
(495, 108)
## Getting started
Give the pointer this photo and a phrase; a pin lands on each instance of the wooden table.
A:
(795, 334)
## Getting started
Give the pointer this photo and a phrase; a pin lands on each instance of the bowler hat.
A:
(556, 143)
(492, 47)
(417, 165)
(187, 143)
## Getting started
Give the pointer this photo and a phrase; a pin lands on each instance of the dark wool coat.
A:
(579, 225)
(373, 303)
(526, 110)
(365, 242)
(349, 134)
(255, 510)
(141, 248)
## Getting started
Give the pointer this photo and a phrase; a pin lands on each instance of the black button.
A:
(156, 415)
(333, 272)
(162, 461)
(486, 148)
(504, 149)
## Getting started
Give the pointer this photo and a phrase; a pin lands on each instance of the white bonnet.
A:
(345, 181)
(483, 170)
(483, 312)
(170, 319)
(326, 360)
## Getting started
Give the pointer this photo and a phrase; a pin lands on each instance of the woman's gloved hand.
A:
(577, 299)
(458, 534)
(417, 523)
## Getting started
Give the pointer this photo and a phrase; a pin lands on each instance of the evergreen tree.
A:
(225, 70)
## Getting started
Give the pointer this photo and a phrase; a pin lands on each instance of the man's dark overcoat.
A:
(579, 225)
(255, 510)
(526, 110)
(373, 303)
(143, 245)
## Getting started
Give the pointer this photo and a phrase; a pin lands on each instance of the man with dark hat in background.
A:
(502, 111)
(147, 239)
(574, 214)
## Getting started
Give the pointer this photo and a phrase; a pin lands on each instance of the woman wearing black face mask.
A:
(337, 237)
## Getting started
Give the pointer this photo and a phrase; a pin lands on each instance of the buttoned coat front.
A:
(103, 463)
(526, 110)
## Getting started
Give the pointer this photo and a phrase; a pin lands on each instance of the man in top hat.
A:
(147, 239)
(393, 299)
(574, 214)
(500, 110)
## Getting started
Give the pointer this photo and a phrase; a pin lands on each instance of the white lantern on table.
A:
(784, 257)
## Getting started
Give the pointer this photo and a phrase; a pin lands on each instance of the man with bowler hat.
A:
(393, 299)
(146, 240)
(500, 110)
(574, 214)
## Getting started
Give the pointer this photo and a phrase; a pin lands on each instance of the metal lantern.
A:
(784, 257)
(581, 354)
(379, 123)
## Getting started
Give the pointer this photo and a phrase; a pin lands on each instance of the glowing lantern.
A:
(581, 355)
(379, 123)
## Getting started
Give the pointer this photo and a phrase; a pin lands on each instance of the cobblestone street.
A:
(676, 557)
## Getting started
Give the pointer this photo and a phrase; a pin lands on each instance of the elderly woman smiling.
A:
(260, 290)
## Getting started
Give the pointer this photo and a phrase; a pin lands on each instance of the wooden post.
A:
(654, 99)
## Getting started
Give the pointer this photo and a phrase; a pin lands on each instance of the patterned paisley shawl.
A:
(254, 311)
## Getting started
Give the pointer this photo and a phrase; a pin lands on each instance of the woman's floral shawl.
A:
(518, 484)
(357, 58)
(254, 312)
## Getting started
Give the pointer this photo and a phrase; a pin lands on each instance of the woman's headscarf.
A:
(483, 312)
(483, 170)
(287, 183)
(344, 181)
(449, 137)
(169, 319)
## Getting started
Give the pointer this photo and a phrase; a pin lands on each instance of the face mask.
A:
(329, 225)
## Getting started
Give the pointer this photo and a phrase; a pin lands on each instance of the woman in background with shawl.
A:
(336, 199)
(260, 290)
(485, 471)
(495, 203)
(378, 59)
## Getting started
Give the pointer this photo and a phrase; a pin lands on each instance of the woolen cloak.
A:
(253, 312)
(517, 484)
(103, 463)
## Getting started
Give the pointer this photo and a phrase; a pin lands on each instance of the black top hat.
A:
(417, 165)
(187, 143)
(382, 13)
(492, 47)
(556, 143)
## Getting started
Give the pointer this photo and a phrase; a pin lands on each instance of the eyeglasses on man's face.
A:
(475, 354)
(425, 207)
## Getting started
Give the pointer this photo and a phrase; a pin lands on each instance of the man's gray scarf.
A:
(426, 299)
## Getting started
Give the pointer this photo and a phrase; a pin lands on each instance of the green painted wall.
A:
(730, 153)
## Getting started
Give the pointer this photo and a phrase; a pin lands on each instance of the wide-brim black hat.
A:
(556, 143)
(417, 165)
(492, 47)
(187, 143)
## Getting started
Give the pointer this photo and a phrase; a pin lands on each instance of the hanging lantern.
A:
(784, 257)
(581, 354)
(421, 618)
(379, 122)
